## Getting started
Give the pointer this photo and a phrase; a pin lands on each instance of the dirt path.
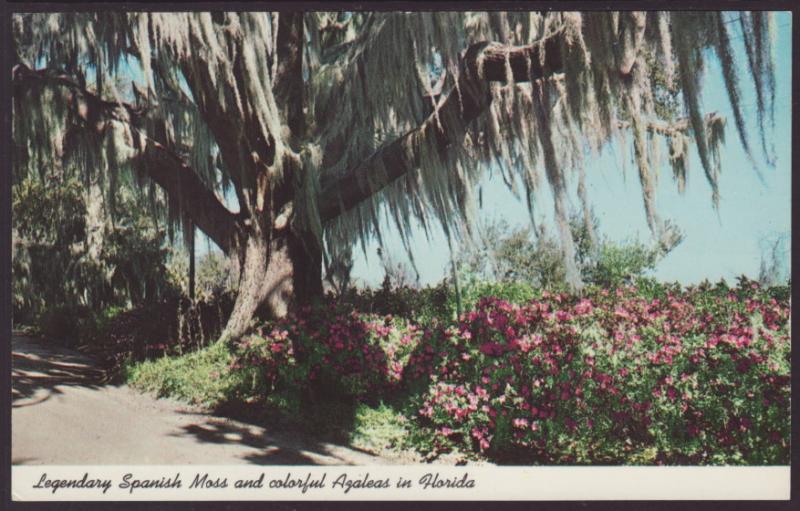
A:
(64, 414)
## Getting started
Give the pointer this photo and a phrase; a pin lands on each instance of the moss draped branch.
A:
(159, 163)
(289, 86)
(482, 63)
(204, 208)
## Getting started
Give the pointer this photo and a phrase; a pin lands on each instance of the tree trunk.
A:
(274, 277)
(191, 262)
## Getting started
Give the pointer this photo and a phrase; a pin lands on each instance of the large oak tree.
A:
(319, 122)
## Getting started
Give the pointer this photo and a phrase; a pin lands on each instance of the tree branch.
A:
(681, 125)
(289, 89)
(182, 183)
(168, 170)
(482, 63)
(23, 76)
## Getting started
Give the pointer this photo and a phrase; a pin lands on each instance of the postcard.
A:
(370, 254)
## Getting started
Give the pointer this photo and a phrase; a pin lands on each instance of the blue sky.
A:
(717, 244)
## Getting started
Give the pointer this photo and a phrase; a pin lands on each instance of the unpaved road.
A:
(63, 414)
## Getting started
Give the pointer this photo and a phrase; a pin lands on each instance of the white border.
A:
(490, 483)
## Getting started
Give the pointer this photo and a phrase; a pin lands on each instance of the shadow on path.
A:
(95, 422)
(274, 448)
(39, 369)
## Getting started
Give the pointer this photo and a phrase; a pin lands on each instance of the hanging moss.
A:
(372, 77)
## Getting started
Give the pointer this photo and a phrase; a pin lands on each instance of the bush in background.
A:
(528, 258)
(173, 326)
(72, 259)
(422, 305)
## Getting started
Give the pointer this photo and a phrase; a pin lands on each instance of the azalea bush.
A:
(420, 305)
(645, 374)
(700, 376)
(334, 350)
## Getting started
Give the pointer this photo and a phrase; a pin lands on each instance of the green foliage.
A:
(508, 262)
(474, 290)
(617, 265)
(505, 254)
(201, 377)
(49, 226)
(653, 374)
(49, 211)
(216, 274)
(135, 252)
(379, 429)
(70, 259)
(425, 305)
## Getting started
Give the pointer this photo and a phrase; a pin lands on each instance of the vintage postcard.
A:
(370, 254)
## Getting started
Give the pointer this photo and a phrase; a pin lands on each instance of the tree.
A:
(519, 254)
(524, 255)
(315, 120)
(775, 266)
(67, 256)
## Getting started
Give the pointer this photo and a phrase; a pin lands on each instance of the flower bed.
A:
(694, 377)
(670, 375)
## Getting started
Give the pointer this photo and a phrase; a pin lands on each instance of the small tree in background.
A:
(616, 265)
(397, 274)
(775, 267)
(517, 255)
(68, 254)
(216, 274)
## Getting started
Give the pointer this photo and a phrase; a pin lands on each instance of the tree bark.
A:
(254, 285)
(274, 276)
(191, 263)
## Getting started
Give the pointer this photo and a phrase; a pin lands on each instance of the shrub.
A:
(64, 322)
(333, 349)
(69, 255)
(617, 265)
(216, 274)
(200, 377)
(534, 258)
(657, 375)
(474, 290)
(174, 325)
(424, 305)
(700, 377)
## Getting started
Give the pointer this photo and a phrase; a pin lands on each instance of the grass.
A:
(381, 429)
(204, 378)
(201, 377)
